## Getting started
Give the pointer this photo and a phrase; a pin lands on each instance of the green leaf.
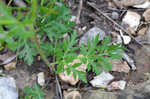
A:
(57, 23)
(28, 53)
(75, 74)
(34, 9)
(68, 70)
(88, 67)
(107, 64)
(76, 65)
(47, 48)
(34, 92)
(105, 43)
(82, 76)
(115, 56)
(83, 50)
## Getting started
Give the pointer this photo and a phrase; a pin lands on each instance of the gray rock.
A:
(147, 88)
(115, 15)
(8, 88)
(148, 33)
(111, 95)
(126, 3)
(89, 35)
(102, 80)
(99, 95)
(20, 3)
(144, 39)
(139, 91)
(129, 60)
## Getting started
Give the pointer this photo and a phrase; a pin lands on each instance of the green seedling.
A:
(34, 92)
(39, 29)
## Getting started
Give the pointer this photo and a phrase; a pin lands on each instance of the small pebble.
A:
(144, 5)
(132, 19)
(126, 39)
(84, 28)
(41, 78)
(117, 85)
(146, 15)
(11, 65)
(73, 18)
(142, 31)
(72, 95)
(115, 15)
(102, 80)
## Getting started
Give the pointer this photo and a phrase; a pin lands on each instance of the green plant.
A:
(39, 29)
(98, 57)
(23, 32)
(34, 92)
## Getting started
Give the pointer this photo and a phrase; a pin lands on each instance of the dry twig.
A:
(58, 88)
(79, 12)
(122, 28)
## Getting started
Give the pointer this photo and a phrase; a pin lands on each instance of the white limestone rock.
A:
(102, 80)
(8, 88)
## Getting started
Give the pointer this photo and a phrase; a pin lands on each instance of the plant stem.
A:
(35, 40)
(41, 52)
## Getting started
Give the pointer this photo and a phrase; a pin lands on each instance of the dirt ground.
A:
(25, 75)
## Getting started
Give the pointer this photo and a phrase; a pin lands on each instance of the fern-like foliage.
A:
(50, 19)
(55, 22)
(65, 54)
(34, 92)
(39, 29)
(98, 57)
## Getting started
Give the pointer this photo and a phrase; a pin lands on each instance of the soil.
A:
(26, 75)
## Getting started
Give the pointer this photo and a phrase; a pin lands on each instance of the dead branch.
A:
(79, 12)
(119, 26)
